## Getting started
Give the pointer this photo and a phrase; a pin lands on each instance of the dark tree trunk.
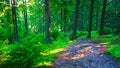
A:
(48, 20)
(97, 18)
(118, 24)
(101, 32)
(81, 22)
(14, 20)
(82, 18)
(25, 17)
(75, 24)
(90, 23)
(61, 19)
(64, 16)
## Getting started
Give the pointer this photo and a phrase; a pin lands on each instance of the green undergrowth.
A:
(113, 44)
(31, 52)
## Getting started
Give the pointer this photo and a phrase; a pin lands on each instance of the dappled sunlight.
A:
(44, 54)
(105, 43)
(52, 51)
(82, 53)
(2, 60)
(79, 45)
(65, 54)
(83, 50)
(45, 63)
(56, 50)
(70, 41)
(78, 56)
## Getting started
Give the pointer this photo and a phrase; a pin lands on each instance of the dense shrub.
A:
(114, 50)
(61, 36)
(54, 34)
(20, 56)
(33, 39)
(81, 33)
(108, 30)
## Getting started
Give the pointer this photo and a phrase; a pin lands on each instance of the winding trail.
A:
(85, 54)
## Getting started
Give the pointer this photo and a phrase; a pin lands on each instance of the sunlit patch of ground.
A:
(56, 50)
(87, 50)
(45, 63)
(48, 56)
(52, 51)
(83, 50)
(82, 53)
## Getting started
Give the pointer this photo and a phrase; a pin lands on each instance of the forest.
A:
(59, 33)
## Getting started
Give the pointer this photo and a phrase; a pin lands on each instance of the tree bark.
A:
(64, 15)
(90, 23)
(75, 24)
(61, 19)
(101, 32)
(25, 17)
(14, 20)
(48, 20)
(97, 18)
(82, 18)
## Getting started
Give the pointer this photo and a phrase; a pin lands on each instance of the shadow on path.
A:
(85, 54)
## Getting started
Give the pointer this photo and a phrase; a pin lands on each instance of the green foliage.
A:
(33, 39)
(108, 30)
(81, 33)
(114, 50)
(54, 34)
(3, 32)
(113, 47)
(61, 36)
(20, 56)
(30, 52)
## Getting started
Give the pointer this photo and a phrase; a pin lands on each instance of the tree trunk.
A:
(90, 23)
(14, 20)
(25, 17)
(82, 18)
(48, 20)
(64, 16)
(102, 18)
(81, 22)
(118, 24)
(75, 24)
(97, 18)
(61, 20)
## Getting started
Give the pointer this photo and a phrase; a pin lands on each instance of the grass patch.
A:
(113, 44)
(30, 52)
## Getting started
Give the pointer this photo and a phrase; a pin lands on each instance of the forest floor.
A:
(85, 54)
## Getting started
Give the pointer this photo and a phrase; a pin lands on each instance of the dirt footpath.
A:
(85, 54)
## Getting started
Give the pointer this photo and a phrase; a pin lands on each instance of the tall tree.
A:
(82, 17)
(102, 18)
(61, 27)
(8, 16)
(25, 16)
(97, 17)
(75, 24)
(118, 24)
(48, 20)
(14, 20)
(64, 15)
(90, 23)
